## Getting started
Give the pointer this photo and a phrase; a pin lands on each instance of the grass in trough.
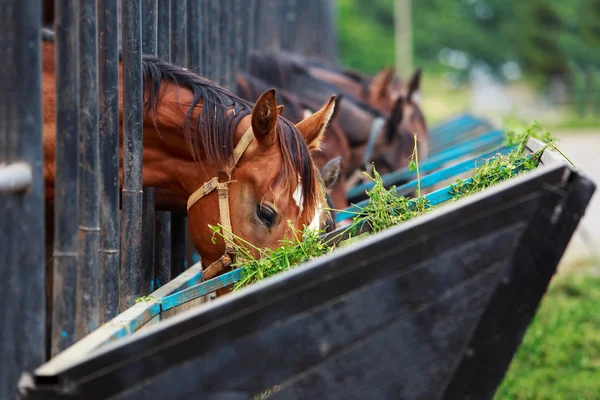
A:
(506, 166)
(302, 247)
(385, 209)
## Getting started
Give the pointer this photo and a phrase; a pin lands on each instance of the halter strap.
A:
(223, 194)
(373, 135)
(211, 185)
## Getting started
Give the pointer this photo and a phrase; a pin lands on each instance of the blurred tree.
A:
(540, 51)
(544, 37)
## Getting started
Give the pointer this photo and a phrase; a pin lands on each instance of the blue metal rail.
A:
(477, 145)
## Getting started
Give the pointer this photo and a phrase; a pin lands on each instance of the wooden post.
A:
(403, 29)
(66, 200)
(22, 267)
(110, 250)
(178, 57)
(162, 244)
(149, 46)
(132, 198)
(88, 310)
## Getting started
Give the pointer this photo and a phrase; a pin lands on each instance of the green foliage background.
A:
(545, 37)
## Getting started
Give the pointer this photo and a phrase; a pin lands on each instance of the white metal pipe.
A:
(15, 177)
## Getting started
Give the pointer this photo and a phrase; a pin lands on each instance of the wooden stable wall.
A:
(96, 275)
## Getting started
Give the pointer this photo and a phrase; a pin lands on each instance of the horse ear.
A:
(381, 82)
(414, 87)
(264, 118)
(280, 109)
(397, 115)
(313, 127)
(331, 172)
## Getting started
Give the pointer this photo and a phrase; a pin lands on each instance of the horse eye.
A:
(266, 215)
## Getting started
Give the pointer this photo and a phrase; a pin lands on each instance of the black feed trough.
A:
(433, 308)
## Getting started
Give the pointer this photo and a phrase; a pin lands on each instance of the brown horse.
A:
(191, 127)
(381, 92)
(334, 145)
(373, 136)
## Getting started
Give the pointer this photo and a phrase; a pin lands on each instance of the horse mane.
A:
(254, 87)
(357, 77)
(217, 127)
(286, 71)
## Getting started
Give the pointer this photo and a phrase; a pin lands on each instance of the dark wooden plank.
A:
(226, 45)
(66, 200)
(88, 271)
(22, 223)
(162, 244)
(212, 44)
(149, 27)
(248, 29)
(178, 28)
(242, 15)
(178, 243)
(132, 198)
(108, 79)
(149, 46)
(162, 258)
(516, 300)
(164, 29)
(178, 57)
(194, 36)
(148, 242)
(266, 33)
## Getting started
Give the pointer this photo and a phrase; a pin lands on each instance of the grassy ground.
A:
(560, 354)
(440, 102)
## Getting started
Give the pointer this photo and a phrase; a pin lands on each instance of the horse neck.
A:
(355, 122)
(346, 84)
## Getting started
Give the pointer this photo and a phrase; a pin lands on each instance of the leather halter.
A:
(376, 128)
(223, 192)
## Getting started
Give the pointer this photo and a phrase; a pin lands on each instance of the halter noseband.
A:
(223, 191)
(373, 135)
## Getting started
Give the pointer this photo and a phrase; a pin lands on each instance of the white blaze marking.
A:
(307, 113)
(315, 224)
(298, 197)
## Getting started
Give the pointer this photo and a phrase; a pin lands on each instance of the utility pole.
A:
(403, 33)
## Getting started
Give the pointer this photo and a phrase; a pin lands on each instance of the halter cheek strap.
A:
(376, 129)
(223, 193)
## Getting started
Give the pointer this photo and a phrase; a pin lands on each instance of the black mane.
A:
(286, 71)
